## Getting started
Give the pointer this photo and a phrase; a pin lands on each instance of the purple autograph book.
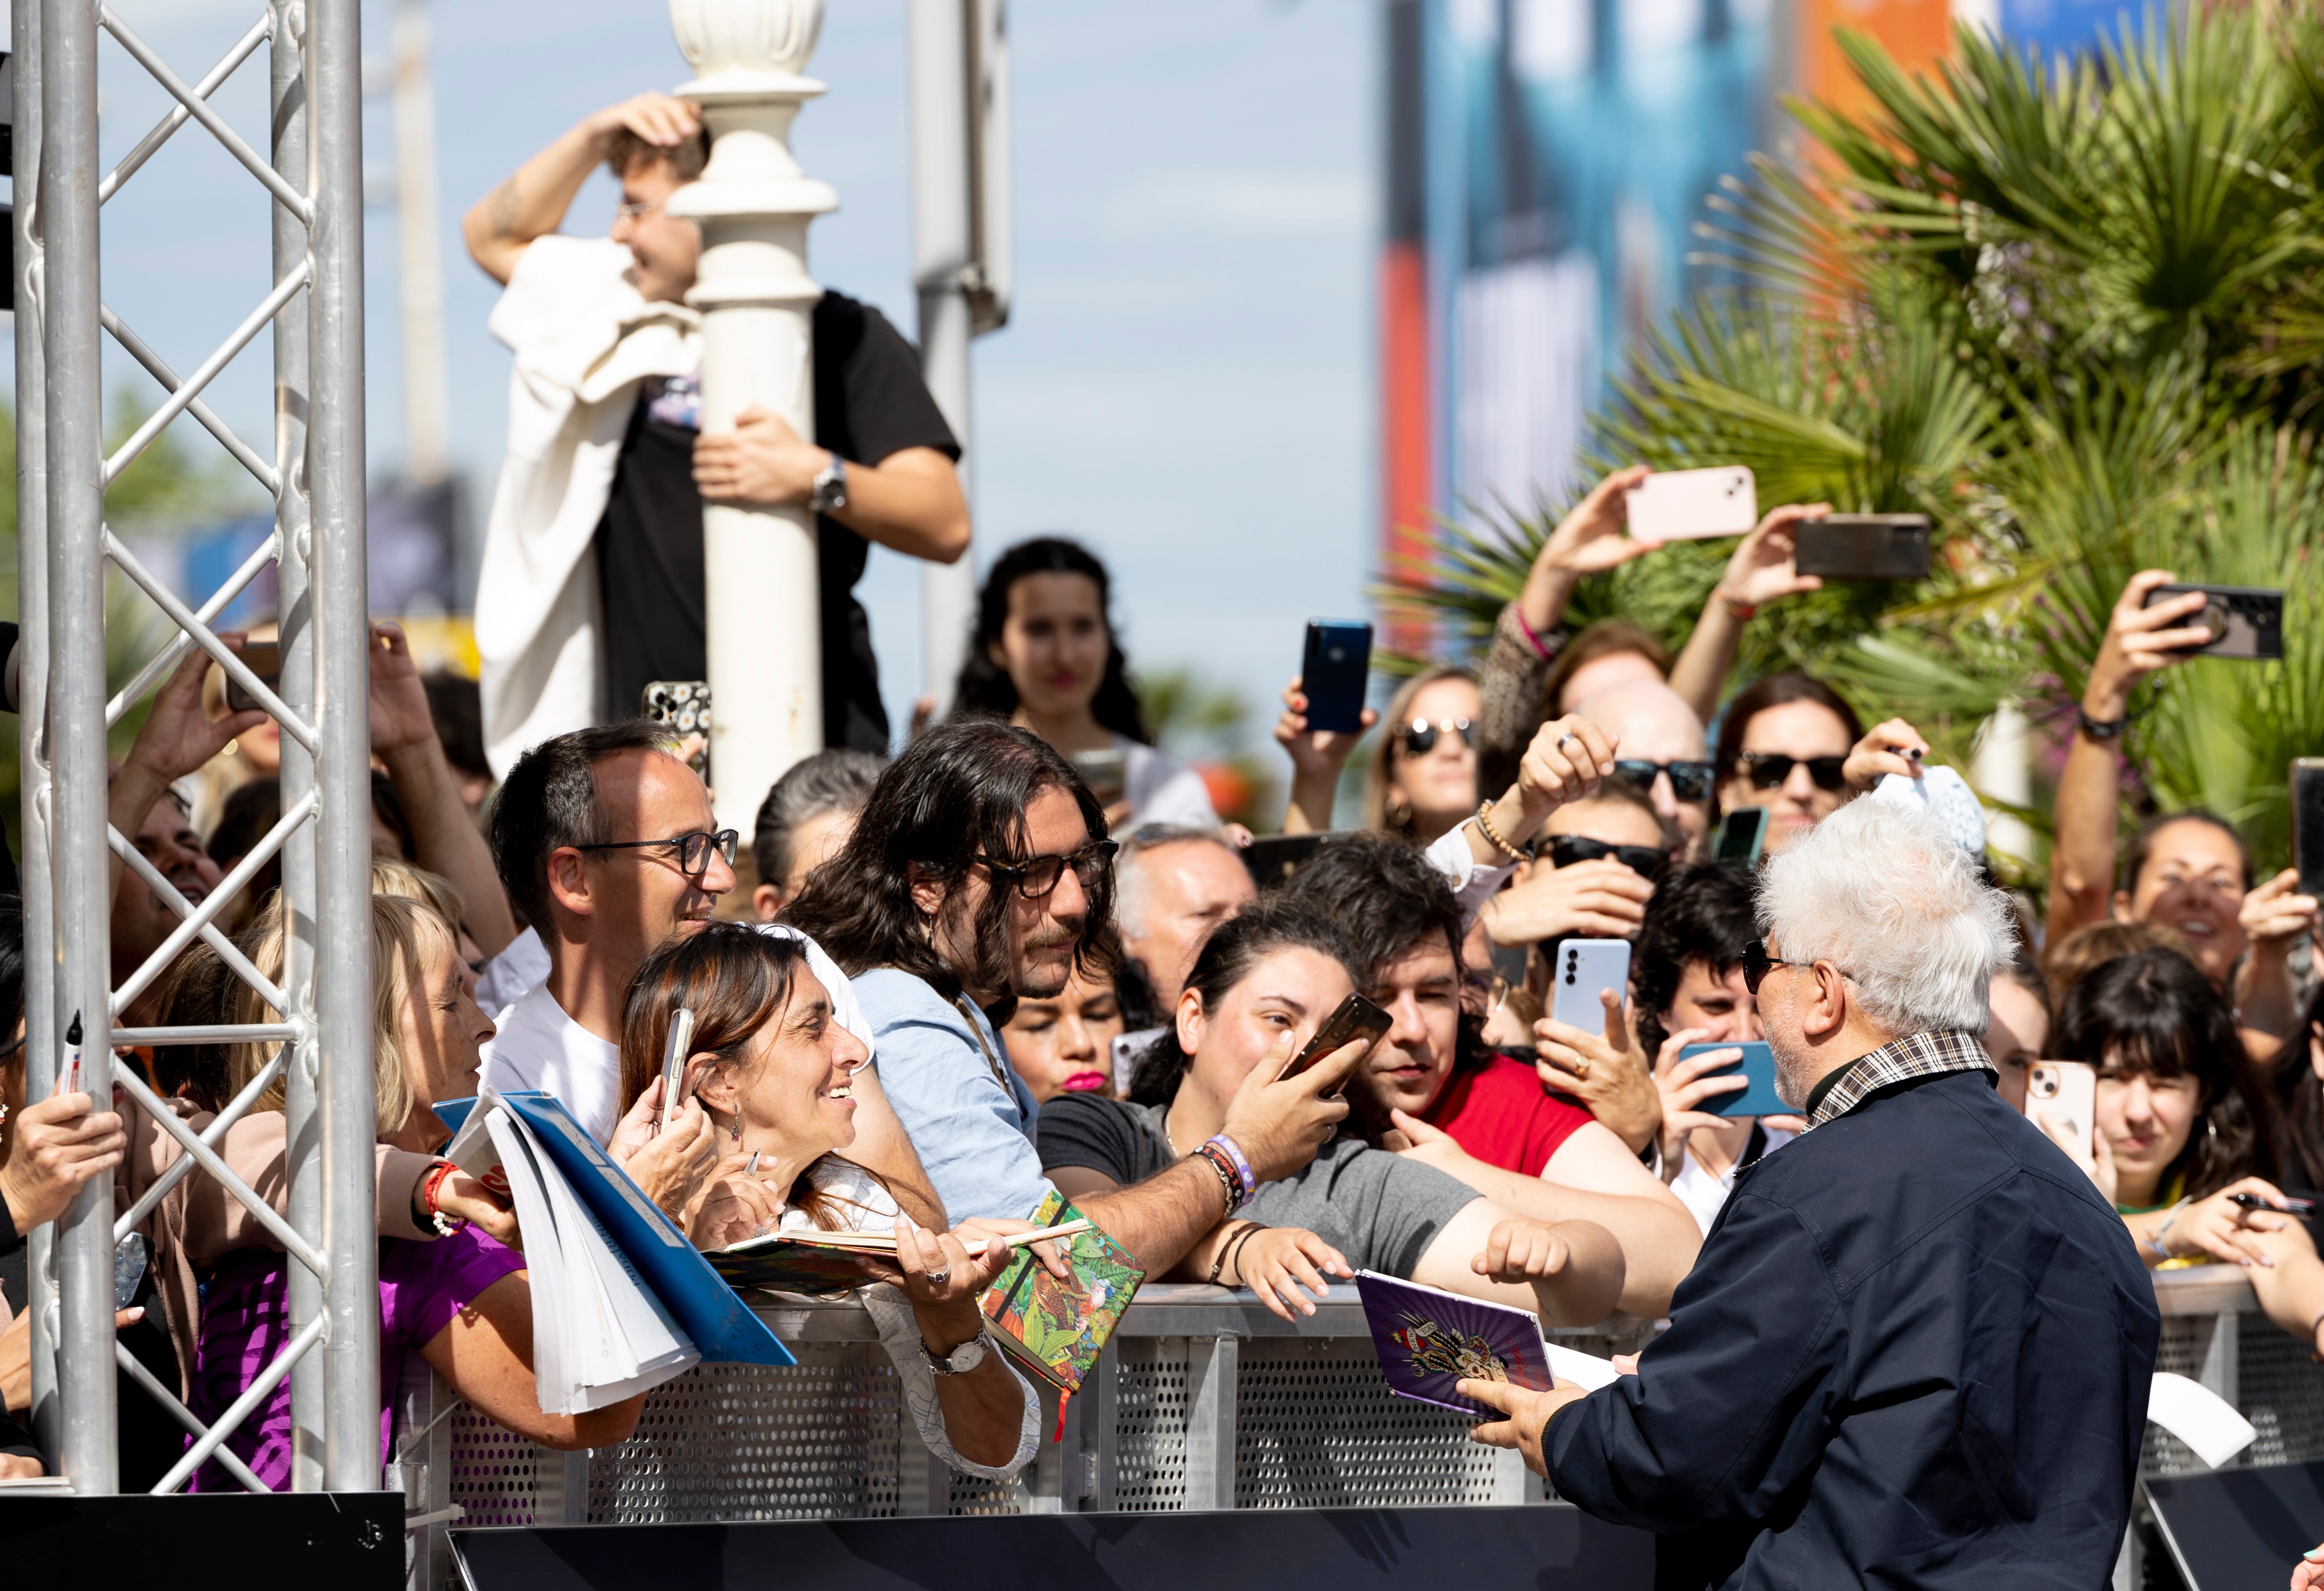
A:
(1428, 1340)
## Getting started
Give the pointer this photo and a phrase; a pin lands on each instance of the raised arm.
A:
(531, 203)
(2139, 639)
(1763, 568)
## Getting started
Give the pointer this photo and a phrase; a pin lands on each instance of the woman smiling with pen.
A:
(775, 1071)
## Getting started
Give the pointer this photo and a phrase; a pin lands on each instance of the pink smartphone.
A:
(2067, 1090)
(1693, 505)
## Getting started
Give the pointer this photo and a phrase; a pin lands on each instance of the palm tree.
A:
(2074, 312)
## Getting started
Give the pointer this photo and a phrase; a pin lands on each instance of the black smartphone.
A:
(1274, 858)
(2244, 620)
(1742, 836)
(1334, 672)
(2308, 823)
(1357, 1017)
(264, 659)
(1863, 547)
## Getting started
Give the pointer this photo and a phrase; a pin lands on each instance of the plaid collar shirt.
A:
(1917, 1054)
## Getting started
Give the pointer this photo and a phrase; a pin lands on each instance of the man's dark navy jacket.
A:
(1915, 1351)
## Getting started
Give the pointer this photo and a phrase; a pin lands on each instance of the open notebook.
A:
(621, 1302)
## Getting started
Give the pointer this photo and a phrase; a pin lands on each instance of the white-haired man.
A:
(1917, 1346)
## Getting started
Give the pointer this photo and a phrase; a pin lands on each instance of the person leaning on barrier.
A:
(979, 875)
(607, 843)
(1917, 1346)
(777, 1072)
(1266, 980)
(1481, 1118)
(456, 1299)
(805, 818)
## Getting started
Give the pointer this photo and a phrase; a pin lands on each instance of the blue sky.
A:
(1187, 381)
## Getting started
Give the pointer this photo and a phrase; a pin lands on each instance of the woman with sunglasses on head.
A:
(2187, 1141)
(776, 1070)
(1789, 743)
(1044, 657)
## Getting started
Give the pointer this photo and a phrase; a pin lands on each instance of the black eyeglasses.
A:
(693, 849)
(1036, 879)
(1689, 781)
(1769, 769)
(1418, 738)
(1646, 861)
(1758, 963)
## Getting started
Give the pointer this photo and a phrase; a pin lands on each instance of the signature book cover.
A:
(1054, 1329)
(817, 1265)
(1428, 1340)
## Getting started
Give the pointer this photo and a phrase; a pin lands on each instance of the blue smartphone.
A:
(1757, 1067)
(1334, 673)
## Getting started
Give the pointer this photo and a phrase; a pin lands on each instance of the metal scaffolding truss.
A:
(311, 178)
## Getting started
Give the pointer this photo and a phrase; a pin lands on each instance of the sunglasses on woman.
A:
(1646, 861)
(1689, 781)
(1038, 877)
(1767, 770)
(1418, 738)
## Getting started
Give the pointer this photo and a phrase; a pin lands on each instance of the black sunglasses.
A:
(1646, 861)
(1689, 781)
(1769, 769)
(1758, 963)
(693, 849)
(1036, 879)
(1418, 738)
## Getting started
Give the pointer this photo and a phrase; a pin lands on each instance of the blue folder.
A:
(722, 1326)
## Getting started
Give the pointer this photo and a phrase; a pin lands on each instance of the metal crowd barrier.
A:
(1205, 1401)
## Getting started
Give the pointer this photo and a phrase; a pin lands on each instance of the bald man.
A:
(1657, 727)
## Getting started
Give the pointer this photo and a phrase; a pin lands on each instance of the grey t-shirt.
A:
(1379, 1209)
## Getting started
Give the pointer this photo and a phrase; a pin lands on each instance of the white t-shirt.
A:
(523, 963)
(538, 1046)
(1161, 789)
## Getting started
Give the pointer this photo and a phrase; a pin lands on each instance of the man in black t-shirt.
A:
(881, 470)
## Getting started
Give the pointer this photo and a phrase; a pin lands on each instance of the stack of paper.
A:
(599, 1334)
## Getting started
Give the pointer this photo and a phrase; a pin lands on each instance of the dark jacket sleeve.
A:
(11, 1239)
(1729, 1408)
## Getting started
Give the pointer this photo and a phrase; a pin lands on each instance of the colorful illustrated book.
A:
(818, 1265)
(1429, 1340)
(1054, 1329)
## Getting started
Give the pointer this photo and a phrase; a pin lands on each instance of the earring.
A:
(737, 1127)
(2212, 1127)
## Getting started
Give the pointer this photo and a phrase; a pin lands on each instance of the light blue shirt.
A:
(974, 1130)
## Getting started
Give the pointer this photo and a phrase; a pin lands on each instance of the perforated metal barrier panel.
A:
(1203, 1402)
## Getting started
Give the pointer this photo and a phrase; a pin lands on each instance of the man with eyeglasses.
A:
(1916, 1347)
(977, 874)
(592, 575)
(604, 841)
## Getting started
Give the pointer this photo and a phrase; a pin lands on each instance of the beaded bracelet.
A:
(1237, 1191)
(1242, 1162)
(1225, 1175)
(446, 1226)
(1492, 836)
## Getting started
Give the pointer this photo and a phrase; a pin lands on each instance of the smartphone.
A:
(1693, 505)
(2308, 823)
(1356, 1017)
(1273, 858)
(264, 659)
(1334, 671)
(1106, 772)
(2244, 620)
(684, 705)
(2068, 1091)
(1582, 970)
(1742, 836)
(1757, 1070)
(673, 1063)
(1863, 547)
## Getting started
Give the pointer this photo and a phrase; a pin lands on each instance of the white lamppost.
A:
(762, 601)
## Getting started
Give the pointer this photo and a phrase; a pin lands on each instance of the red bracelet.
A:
(1541, 648)
(428, 1189)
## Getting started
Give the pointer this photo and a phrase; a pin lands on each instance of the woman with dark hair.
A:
(1790, 743)
(1265, 981)
(2183, 1128)
(775, 1069)
(1044, 657)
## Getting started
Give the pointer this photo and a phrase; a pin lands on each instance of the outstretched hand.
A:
(178, 735)
(1320, 753)
(1764, 568)
(399, 699)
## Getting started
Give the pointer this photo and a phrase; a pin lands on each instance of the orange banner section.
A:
(1406, 487)
(1917, 33)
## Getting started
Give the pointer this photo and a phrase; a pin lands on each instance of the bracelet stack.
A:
(1492, 836)
(431, 1188)
(1236, 1183)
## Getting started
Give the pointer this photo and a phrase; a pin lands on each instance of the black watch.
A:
(2100, 729)
(829, 493)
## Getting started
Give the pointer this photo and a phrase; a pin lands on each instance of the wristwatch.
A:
(829, 494)
(963, 1359)
(2100, 729)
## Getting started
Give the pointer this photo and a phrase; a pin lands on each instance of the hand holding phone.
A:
(2245, 622)
(1755, 1066)
(673, 1063)
(1583, 971)
(2062, 1100)
(1334, 671)
(1355, 1019)
(1693, 505)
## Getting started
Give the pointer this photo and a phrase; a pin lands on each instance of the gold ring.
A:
(1580, 1068)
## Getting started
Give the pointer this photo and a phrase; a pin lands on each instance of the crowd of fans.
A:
(1025, 954)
